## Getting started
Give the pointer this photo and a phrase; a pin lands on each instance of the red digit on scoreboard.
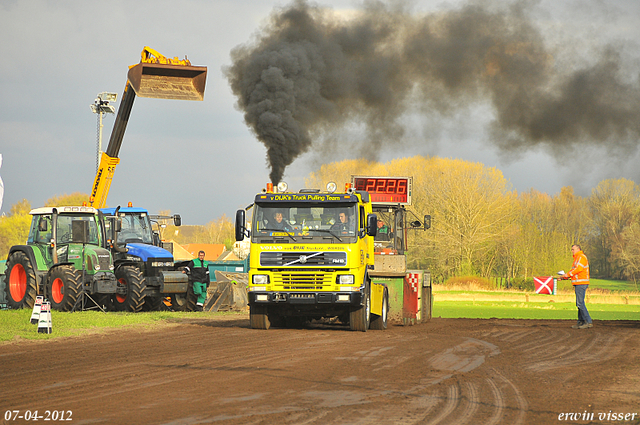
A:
(371, 184)
(402, 187)
(391, 186)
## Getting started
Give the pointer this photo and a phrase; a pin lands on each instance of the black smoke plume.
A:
(310, 71)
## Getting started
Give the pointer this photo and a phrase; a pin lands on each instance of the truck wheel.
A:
(63, 287)
(380, 322)
(130, 278)
(259, 318)
(359, 319)
(20, 281)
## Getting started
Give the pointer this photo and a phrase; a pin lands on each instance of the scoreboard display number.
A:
(385, 190)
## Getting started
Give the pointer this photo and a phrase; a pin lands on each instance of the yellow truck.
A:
(310, 256)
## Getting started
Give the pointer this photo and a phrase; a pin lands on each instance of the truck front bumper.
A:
(318, 299)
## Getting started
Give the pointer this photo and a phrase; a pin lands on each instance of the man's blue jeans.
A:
(583, 314)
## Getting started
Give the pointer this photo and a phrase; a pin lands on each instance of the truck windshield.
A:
(136, 228)
(324, 223)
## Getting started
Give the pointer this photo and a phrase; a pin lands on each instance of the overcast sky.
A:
(199, 159)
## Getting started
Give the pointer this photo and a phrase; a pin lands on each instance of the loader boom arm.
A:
(157, 77)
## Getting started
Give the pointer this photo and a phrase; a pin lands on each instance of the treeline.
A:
(14, 227)
(482, 227)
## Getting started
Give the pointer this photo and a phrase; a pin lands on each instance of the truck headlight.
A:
(345, 279)
(260, 279)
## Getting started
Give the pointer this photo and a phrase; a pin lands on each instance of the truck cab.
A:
(310, 255)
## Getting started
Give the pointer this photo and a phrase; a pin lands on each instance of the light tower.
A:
(100, 107)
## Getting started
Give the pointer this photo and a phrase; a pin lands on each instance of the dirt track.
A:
(449, 371)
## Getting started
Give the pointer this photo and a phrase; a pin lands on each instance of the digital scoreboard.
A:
(385, 190)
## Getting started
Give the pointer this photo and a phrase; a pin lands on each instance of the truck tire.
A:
(130, 278)
(20, 281)
(380, 322)
(258, 317)
(359, 319)
(64, 287)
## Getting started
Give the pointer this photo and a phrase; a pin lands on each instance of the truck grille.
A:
(303, 259)
(311, 281)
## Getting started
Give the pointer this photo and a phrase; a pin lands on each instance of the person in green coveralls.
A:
(198, 271)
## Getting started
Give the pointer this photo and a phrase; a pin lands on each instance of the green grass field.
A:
(606, 300)
(523, 310)
(611, 285)
(16, 325)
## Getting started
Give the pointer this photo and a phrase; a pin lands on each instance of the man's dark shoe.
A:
(585, 326)
(577, 325)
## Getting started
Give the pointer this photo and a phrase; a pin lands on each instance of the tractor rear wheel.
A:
(20, 281)
(63, 287)
(258, 317)
(130, 280)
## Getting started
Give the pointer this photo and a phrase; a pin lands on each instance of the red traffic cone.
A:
(44, 321)
(35, 314)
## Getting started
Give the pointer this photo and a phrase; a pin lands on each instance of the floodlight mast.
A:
(100, 107)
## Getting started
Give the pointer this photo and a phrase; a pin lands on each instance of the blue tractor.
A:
(145, 271)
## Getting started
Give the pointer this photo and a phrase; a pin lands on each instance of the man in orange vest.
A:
(579, 275)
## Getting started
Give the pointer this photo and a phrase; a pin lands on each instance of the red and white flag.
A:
(544, 284)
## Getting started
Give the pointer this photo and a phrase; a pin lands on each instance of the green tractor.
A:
(64, 260)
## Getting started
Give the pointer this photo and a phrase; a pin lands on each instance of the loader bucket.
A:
(162, 81)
